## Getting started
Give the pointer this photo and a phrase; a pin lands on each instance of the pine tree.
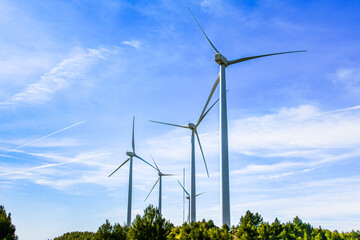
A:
(7, 229)
(151, 226)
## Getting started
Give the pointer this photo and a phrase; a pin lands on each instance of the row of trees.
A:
(153, 226)
(251, 226)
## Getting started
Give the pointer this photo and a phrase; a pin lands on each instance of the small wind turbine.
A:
(224, 157)
(159, 180)
(131, 155)
(188, 198)
(193, 128)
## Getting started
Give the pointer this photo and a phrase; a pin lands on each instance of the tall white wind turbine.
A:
(188, 198)
(224, 157)
(193, 128)
(159, 180)
(131, 156)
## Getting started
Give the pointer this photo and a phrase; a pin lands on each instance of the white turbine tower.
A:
(193, 128)
(224, 157)
(131, 156)
(159, 180)
(188, 198)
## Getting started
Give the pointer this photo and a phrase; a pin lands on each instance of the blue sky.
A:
(82, 69)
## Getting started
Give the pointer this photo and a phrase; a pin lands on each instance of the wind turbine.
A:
(131, 156)
(193, 128)
(159, 180)
(188, 198)
(224, 157)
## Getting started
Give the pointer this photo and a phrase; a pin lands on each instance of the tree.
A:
(151, 226)
(264, 231)
(109, 232)
(204, 230)
(76, 236)
(7, 229)
(247, 230)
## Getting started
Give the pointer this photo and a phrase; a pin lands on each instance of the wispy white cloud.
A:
(294, 129)
(349, 77)
(59, 77)
(133, 43)
(304, 135)
(64, 173)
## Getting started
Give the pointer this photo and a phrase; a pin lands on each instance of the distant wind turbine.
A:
(224, 156)
(188, 198)
(159, 180)
(183, 195)
(131, 155)
(193, 128)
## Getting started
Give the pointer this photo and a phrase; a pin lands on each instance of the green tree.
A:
(264, 231)
(109, 232)
(247, 230)
(204, 230)
(151, 226)
(275, 229)
(225, 233)
(76, 236)
(7, 229)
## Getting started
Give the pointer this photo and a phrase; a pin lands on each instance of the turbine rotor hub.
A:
(130, 154)
(220, 59)
(192, 126)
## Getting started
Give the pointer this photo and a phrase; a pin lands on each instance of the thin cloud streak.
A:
(79, 159)
(59, 77)
(46, 136)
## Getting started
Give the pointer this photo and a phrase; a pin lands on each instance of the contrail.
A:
(39, 139)
(335, 111)
(49, 165)
(344, 109)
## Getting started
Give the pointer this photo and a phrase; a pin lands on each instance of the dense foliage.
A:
(150, 226)
(200, 230)
(251, 226)
(7, 229)
(76, 235)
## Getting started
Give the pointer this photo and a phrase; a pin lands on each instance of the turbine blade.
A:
(155, 163)
(175, 125)
(202, 153)
(199, 194)
(169, 174)
(203, 116)
(133, 140)
(145, 161)
(212, 45)
(259, 56)
(152, 188)
(119, 167)
(183, 188)
(209, 98)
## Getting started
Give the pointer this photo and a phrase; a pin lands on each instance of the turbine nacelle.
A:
(130, 154)
(220, 59)
(192, 126)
